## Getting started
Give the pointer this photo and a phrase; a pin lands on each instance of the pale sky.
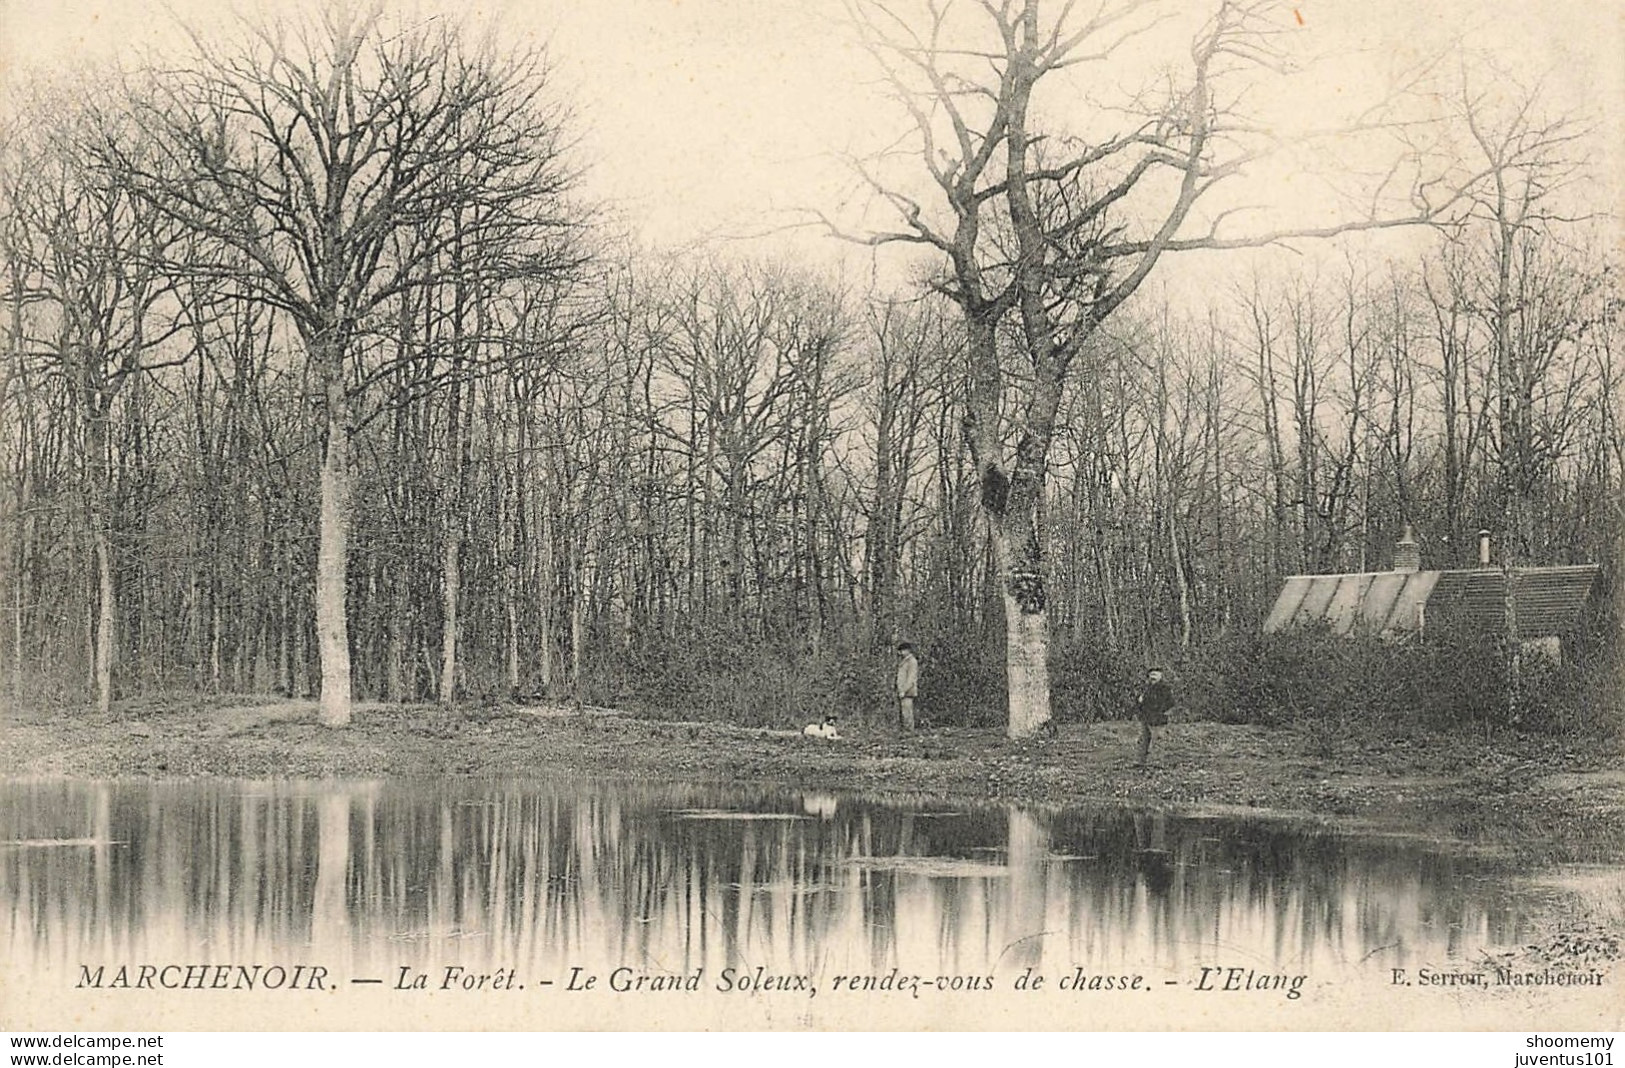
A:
(705, 117)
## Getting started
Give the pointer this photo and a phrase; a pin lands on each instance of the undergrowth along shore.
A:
(1308, 678)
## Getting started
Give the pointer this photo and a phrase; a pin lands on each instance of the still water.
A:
(397, 888)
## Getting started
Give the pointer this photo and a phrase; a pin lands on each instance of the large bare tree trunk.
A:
(1027, 668)
(1026, 632)
(1011, 503)
(332, 628)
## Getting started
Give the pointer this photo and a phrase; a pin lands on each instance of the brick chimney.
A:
(1407, 553)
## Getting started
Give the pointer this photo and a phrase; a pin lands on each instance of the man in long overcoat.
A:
(908, 684)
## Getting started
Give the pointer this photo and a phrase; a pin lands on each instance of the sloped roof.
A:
(1547, 600)
(1381, 601)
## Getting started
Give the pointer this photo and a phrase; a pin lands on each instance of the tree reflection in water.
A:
(372, 876)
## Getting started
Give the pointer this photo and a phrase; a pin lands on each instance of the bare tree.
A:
(311, 148)
(1056, 229)
(102, 313)
(1531, 301)
(904, 385)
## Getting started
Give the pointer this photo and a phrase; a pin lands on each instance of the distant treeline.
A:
(722, 486)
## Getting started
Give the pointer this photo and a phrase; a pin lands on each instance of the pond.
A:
(583, 903)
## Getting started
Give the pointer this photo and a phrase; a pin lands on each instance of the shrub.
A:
(1450, 680)
(962, 681)
(1090, 682)
(1310, 678)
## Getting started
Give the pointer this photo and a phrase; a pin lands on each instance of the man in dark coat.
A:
(1152, 710)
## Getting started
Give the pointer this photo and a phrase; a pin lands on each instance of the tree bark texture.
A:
(332, 565)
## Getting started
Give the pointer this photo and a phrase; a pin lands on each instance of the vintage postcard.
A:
(855, 514)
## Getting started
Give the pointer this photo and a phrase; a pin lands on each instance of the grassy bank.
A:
(1549, 800)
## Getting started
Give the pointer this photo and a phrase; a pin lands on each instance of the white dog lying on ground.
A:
(825, 729)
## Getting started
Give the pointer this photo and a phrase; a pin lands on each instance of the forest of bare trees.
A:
(322, 378)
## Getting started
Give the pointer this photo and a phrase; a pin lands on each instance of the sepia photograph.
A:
(813, 516)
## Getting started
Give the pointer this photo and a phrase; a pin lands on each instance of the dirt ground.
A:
(1543, 800)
